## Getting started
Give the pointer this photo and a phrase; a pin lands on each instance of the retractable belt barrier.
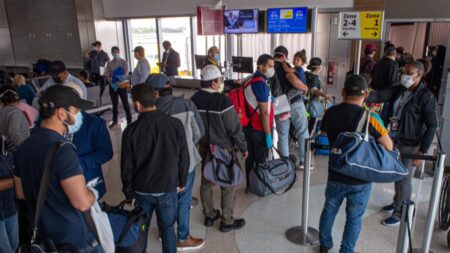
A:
(308, 236)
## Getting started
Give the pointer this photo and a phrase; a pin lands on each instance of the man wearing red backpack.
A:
(259, 109)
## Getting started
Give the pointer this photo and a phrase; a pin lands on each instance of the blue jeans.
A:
(300, 123)
(9, 234)
(166, 214)
(357, 198)
(184, 208)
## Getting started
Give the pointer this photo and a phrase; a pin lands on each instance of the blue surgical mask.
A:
(116, 56)
(72, 129)
(217, 58)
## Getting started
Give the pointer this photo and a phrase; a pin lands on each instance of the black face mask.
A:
(57, 79)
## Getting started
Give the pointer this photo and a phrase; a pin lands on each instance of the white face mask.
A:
(78, 121)
(407, 81)
(270, 73)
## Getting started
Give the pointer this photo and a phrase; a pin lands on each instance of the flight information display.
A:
(287, 20)
(241, 21)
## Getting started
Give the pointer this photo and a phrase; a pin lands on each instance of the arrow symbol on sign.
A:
(374, 34)
(345, 34)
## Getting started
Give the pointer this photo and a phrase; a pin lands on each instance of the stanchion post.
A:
(304, 235)
(435, 195)
(406, 221)
(306, 182)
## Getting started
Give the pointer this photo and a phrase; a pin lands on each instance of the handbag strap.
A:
(43, 188)
(131, 220)
(363, 125)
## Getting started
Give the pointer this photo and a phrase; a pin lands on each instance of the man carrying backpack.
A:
(338, 119)
(288, 84)
(258, 99)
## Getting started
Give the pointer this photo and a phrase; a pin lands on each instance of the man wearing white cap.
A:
(223, 129)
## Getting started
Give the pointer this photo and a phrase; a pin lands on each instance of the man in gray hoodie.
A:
(186, 111)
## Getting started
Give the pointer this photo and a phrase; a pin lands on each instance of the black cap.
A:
(56, 67)
(355, 85)
(314, 62)
(58, 96)
(281, 50)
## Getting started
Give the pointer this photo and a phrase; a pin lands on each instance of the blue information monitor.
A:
(287, 20)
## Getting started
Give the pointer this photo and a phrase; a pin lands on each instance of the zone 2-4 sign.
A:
(365, 25)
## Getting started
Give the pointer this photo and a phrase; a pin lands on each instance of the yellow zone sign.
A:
(371, 23)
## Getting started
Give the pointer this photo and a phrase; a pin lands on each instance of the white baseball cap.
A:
(211, 72)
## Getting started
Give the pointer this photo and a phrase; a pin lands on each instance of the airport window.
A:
(178, 32)
(143, 33)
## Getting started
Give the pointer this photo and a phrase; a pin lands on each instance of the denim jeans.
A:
(300, 123)
(165, 207)
(9, 234)
(184, 208)
(357, 198)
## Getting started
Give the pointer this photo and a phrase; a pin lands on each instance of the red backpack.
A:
(237, 97)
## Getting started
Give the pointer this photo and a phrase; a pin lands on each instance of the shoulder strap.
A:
(361, 123)
(44, 185)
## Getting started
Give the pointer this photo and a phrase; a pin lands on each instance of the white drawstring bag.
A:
(101, 221)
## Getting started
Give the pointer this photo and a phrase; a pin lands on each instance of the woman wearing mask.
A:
(411, 117)
(117, 75)
(319, 100)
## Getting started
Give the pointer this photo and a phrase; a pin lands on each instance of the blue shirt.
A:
(26, 93)
(300, 73)
(60, 221)
(261, 89)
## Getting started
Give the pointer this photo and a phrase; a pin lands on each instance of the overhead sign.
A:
(365, 25)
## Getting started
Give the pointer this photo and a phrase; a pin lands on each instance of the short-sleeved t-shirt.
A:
(261, 90)
(345, 118)
(60, 221)
(300, 73)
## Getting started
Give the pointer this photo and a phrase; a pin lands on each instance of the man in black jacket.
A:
(155, 163)
(384, 74)
(411, 114)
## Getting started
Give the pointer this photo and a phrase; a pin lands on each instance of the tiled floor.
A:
(268, 218)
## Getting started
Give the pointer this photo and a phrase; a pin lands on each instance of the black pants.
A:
(99, 80)
(123, 94)
(257, 149)
(311, 123)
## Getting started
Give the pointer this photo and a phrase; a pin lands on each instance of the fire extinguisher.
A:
(331, 72)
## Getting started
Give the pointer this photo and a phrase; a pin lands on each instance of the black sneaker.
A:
(209, 222)
(238, 224)
(324, 249)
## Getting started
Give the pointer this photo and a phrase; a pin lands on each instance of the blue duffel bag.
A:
(358, 155)
(129, 227)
